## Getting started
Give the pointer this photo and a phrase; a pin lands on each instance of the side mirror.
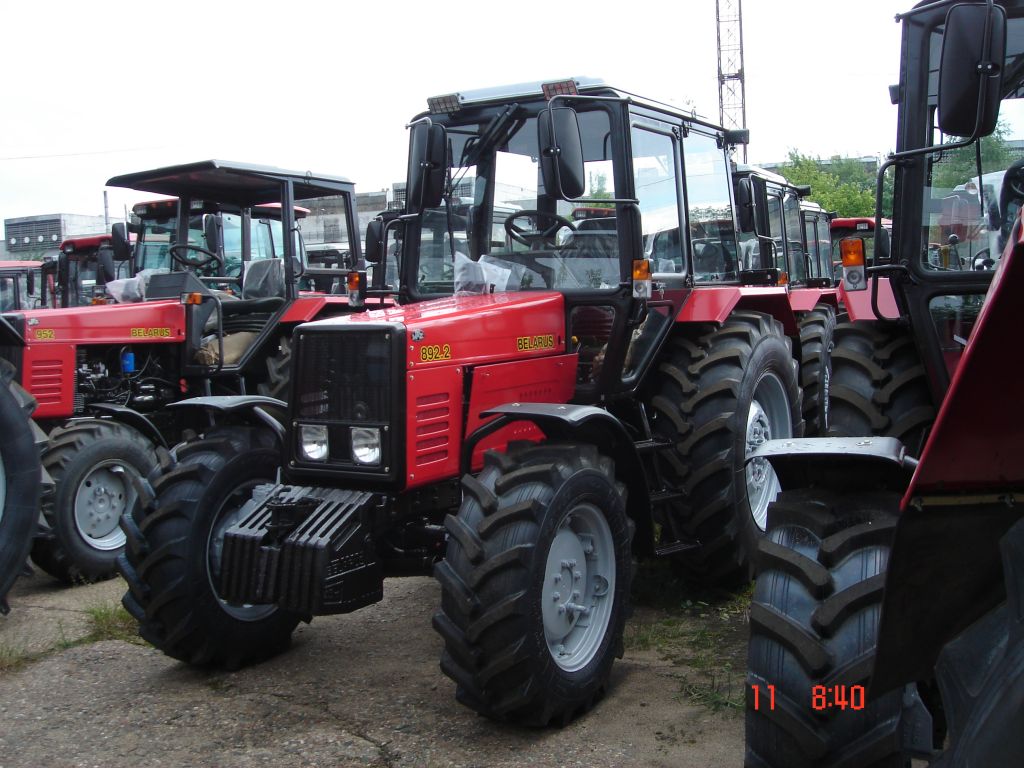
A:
(734, 136)
(374, 250)
(759, 206)
(30, 282)
(105, 271)
(883, 247)
(119, 242)
(969, 101)
(428, 164)
(561, 152)
(744, 208)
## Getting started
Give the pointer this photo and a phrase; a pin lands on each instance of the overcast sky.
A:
(92, 90)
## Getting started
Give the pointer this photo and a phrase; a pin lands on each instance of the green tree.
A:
(843, 185)
(955, 166)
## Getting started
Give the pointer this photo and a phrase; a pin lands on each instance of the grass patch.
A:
(111, 622)
(703, 632)
(12, 658)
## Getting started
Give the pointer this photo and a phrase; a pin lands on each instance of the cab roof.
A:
(230, 182)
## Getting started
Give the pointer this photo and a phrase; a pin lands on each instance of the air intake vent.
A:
(45, 381)
(432, 428)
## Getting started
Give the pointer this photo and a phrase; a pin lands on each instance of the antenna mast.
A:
(732, 108)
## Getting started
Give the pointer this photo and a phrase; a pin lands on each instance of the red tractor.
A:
(106, 377)
(562, 395)
(888, 617)
(780, 241)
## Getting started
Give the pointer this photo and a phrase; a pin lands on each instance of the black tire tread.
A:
(484, 578)
(801, 637)
(879, 386)
(694, 405)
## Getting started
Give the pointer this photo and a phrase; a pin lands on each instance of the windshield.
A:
(158, 235)
(502, 231)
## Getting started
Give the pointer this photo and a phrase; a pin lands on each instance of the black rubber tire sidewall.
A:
(770, 356)
(23, 476)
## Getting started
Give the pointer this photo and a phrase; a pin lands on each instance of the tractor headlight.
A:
(313, 442)
(366, 445)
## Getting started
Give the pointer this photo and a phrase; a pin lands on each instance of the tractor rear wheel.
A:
(94, 464)
(722, 391)
(278, 371)
(878, 384)
(817, 329)
(172, 558)
(813, 626)
(19, 479)
(535, 583)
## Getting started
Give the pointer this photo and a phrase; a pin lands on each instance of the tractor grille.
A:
(348, 377)
(344, 377)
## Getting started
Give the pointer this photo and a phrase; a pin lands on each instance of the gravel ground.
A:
(357, 690)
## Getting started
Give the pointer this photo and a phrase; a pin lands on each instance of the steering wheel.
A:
(186, 261)
(982, 261)
(529, 237)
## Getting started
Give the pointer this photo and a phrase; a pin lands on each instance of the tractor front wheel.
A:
(813, 627)
(94, 464)
(536, 583)
(174, 543)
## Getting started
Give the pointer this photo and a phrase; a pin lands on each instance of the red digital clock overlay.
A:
(823, 697)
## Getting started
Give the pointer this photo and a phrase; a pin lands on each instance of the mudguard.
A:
(260, 409)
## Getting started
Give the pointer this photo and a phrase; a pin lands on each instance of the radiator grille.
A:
(344, 376)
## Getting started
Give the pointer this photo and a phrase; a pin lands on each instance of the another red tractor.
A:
(888, 616)
(779, 239)
(562, 395)
(105, 377)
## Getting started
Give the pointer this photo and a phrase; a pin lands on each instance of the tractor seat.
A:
(262, 289)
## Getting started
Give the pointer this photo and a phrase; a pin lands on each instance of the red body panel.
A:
(805, 299)
(976, 443)
(433, 424)
(477, 329)
(453, 338)
(53, 335)
(309, 305)
(81, 243)
(544, 380)
(858, 303)
(714, 303)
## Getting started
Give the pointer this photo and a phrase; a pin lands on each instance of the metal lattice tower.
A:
(732, 108)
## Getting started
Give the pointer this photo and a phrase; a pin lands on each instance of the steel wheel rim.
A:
(768, 418)
(105, 493)
(579, 587)
(229, 513)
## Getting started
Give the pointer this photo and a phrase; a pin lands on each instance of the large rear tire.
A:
(536, 583)
(94, 464)
(817, 329)
(813, 622)
(20, 473)
(878, 384)
(278, 372)
(172, 558)
(721, 391)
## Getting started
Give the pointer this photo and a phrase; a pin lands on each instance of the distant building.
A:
(36, 237)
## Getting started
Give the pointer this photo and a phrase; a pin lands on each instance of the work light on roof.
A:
(444, 105)
(559, 88)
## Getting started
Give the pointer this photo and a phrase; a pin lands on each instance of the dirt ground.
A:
(358, 690)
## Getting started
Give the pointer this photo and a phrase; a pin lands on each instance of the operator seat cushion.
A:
(262, 288)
